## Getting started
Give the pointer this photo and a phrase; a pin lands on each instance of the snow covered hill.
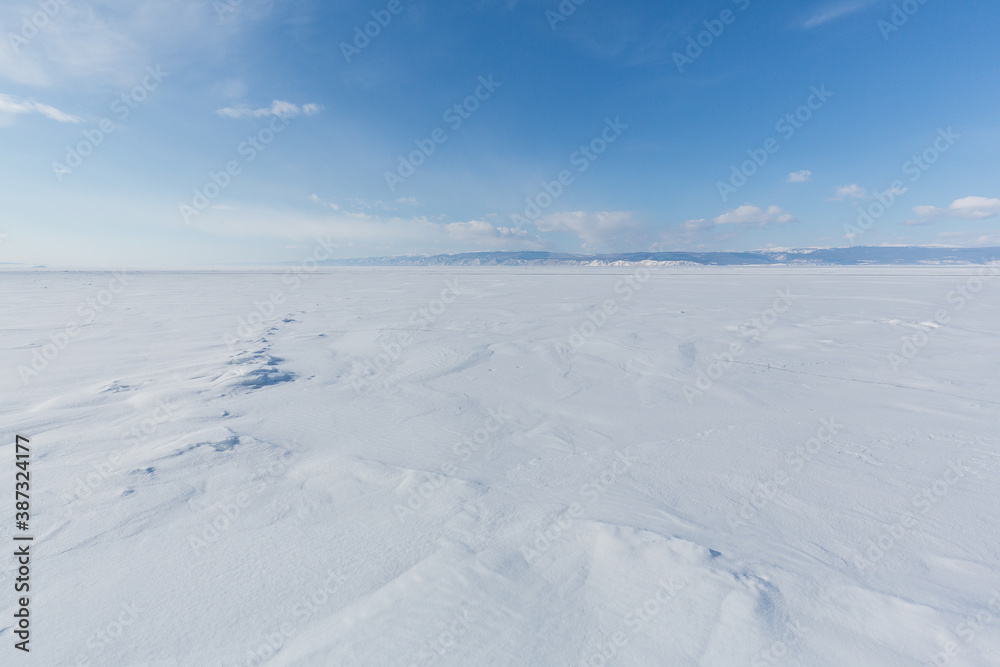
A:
(854, 256)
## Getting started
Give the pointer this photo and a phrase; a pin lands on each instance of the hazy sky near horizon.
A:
(162, 133)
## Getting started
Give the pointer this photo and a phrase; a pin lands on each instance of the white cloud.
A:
(749, 215)
(967, 208)
(803, 176)
(15, 105)
(277, 108)
(852, 191)
(594, 228)
(835, 11)
(746, 216)
(479, 231)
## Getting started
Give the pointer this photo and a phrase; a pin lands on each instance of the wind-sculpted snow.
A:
(510, 466)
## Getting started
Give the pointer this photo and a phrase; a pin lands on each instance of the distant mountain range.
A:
(856, 256)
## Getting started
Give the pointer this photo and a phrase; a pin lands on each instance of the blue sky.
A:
(162, 133)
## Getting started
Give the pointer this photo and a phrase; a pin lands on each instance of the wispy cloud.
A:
(277, 108)
(835, 11)
(699, 225)
(15, 105)
(317, 200)
(379, 233)
(803, 176)
(103, 40)
(480, 232)
(594, 228)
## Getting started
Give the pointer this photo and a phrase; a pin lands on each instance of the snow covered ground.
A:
(706, 466)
